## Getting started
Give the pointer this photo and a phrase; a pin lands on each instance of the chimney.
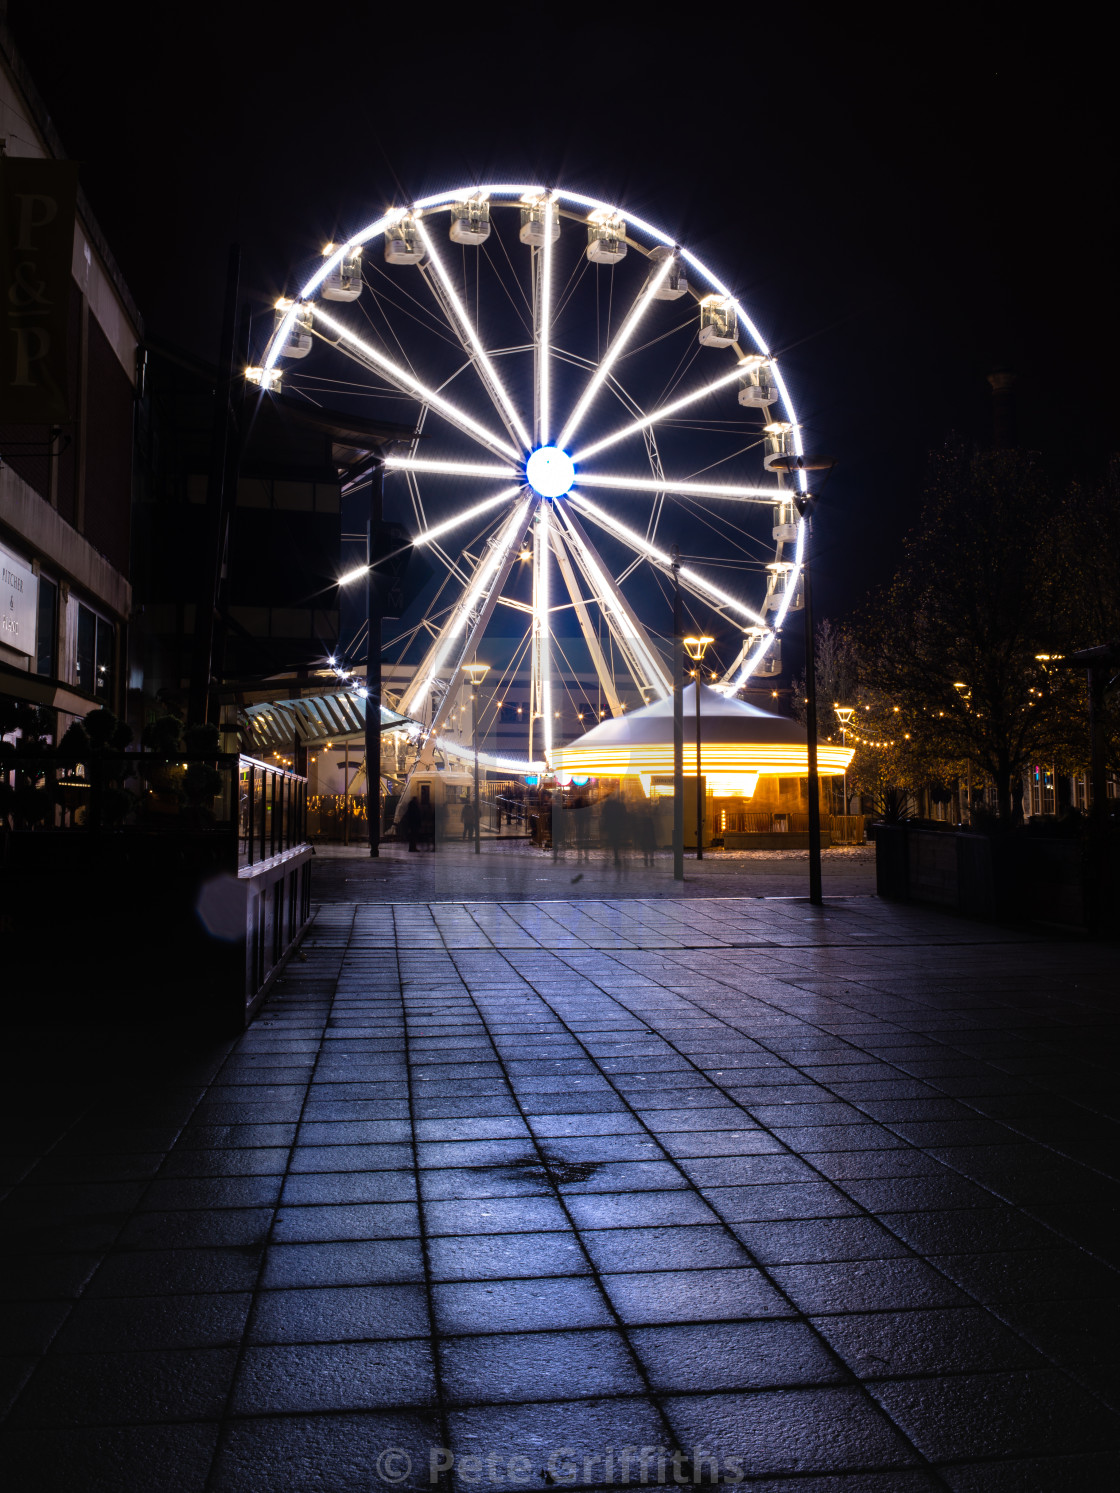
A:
(1003, 410)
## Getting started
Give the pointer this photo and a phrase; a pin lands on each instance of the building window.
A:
(95, 654)
(103, 678)
(46, 629)
(87, 648)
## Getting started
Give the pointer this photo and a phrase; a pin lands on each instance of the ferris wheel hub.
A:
(549, 472)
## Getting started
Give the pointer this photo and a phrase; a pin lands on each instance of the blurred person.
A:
(645, 832)
(581, 826)
(410, 823)
(615, 828)
(469, 816)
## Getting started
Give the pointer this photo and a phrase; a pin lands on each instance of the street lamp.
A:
(844, 715)
(803, 501)
(964, 694)
(678, 720)
(477, 673)
(696, 649)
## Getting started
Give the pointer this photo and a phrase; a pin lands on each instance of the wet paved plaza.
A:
(582, 1194)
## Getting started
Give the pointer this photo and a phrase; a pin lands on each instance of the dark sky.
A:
(905, 199)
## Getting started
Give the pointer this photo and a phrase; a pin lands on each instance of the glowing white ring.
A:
(557, 195)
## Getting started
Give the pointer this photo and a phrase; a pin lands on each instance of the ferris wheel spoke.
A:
(412, 385)
(734, 492)
(448, 297)
(641, 658)
(542, 326)
(667, 411)
(435, 467)
(427, 536)
(615, 349)
(691, 580)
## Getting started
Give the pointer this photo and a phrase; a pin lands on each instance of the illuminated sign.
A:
(19, 604)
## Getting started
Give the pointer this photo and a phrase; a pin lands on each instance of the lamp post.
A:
(374, 608)
(803, 501)
(844, 715)
(696, 649)
(477, 673)
(678, 721)
(965, 694)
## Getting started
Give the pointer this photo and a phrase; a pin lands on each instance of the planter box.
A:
(1069, 883)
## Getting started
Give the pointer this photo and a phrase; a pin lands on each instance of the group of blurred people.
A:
(622, 827)
(576, 822)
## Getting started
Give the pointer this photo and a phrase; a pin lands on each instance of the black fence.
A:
(141, 887)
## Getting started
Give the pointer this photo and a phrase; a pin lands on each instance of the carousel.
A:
(753, 766)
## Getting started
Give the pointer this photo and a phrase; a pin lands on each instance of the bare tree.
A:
(959, 638)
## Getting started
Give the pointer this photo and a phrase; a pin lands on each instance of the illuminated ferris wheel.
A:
(586, 394)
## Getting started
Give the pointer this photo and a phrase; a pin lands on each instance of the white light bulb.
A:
(549, 472)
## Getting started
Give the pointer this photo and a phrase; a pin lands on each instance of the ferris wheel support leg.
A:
(641, 658)
(488, 601)
(540, 704)
(606, 678)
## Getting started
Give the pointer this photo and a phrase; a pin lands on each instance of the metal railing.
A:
(272, 811)
(129, 793)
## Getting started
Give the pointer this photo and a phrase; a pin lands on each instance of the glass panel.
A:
(46, 656)
(87, 648)
(103, 679)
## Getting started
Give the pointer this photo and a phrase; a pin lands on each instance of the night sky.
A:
(905, 200)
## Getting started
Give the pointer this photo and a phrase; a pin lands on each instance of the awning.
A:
(311, 721)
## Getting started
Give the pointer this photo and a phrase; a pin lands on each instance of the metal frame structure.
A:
(533, 462)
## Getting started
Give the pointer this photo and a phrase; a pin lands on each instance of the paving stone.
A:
(538, 1366)
(564, 1442)
(501, 1256)
(90, 1389)
(340, 1314)
(887, 1344)
(155, 1322)
(806, 1241)
(507, 1305)
(794, 1430)
(734, 1355)
(334, 1376)
(1020, 1414)
(311, 1453)
(694, 1296)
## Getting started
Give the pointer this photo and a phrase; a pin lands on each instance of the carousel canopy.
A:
(735, 738)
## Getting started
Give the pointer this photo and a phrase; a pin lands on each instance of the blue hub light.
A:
(549, 472)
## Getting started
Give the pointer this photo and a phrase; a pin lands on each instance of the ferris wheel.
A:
(586, 395)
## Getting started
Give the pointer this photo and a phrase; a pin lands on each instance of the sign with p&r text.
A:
(37, 204)
(19, 604)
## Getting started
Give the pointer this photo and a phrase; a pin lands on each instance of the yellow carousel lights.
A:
(738, 742)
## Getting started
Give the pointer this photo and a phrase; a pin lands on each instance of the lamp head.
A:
(476, 672)
(697, 647)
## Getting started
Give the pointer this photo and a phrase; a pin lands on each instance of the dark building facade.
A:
(278, 599)
(66, 483)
